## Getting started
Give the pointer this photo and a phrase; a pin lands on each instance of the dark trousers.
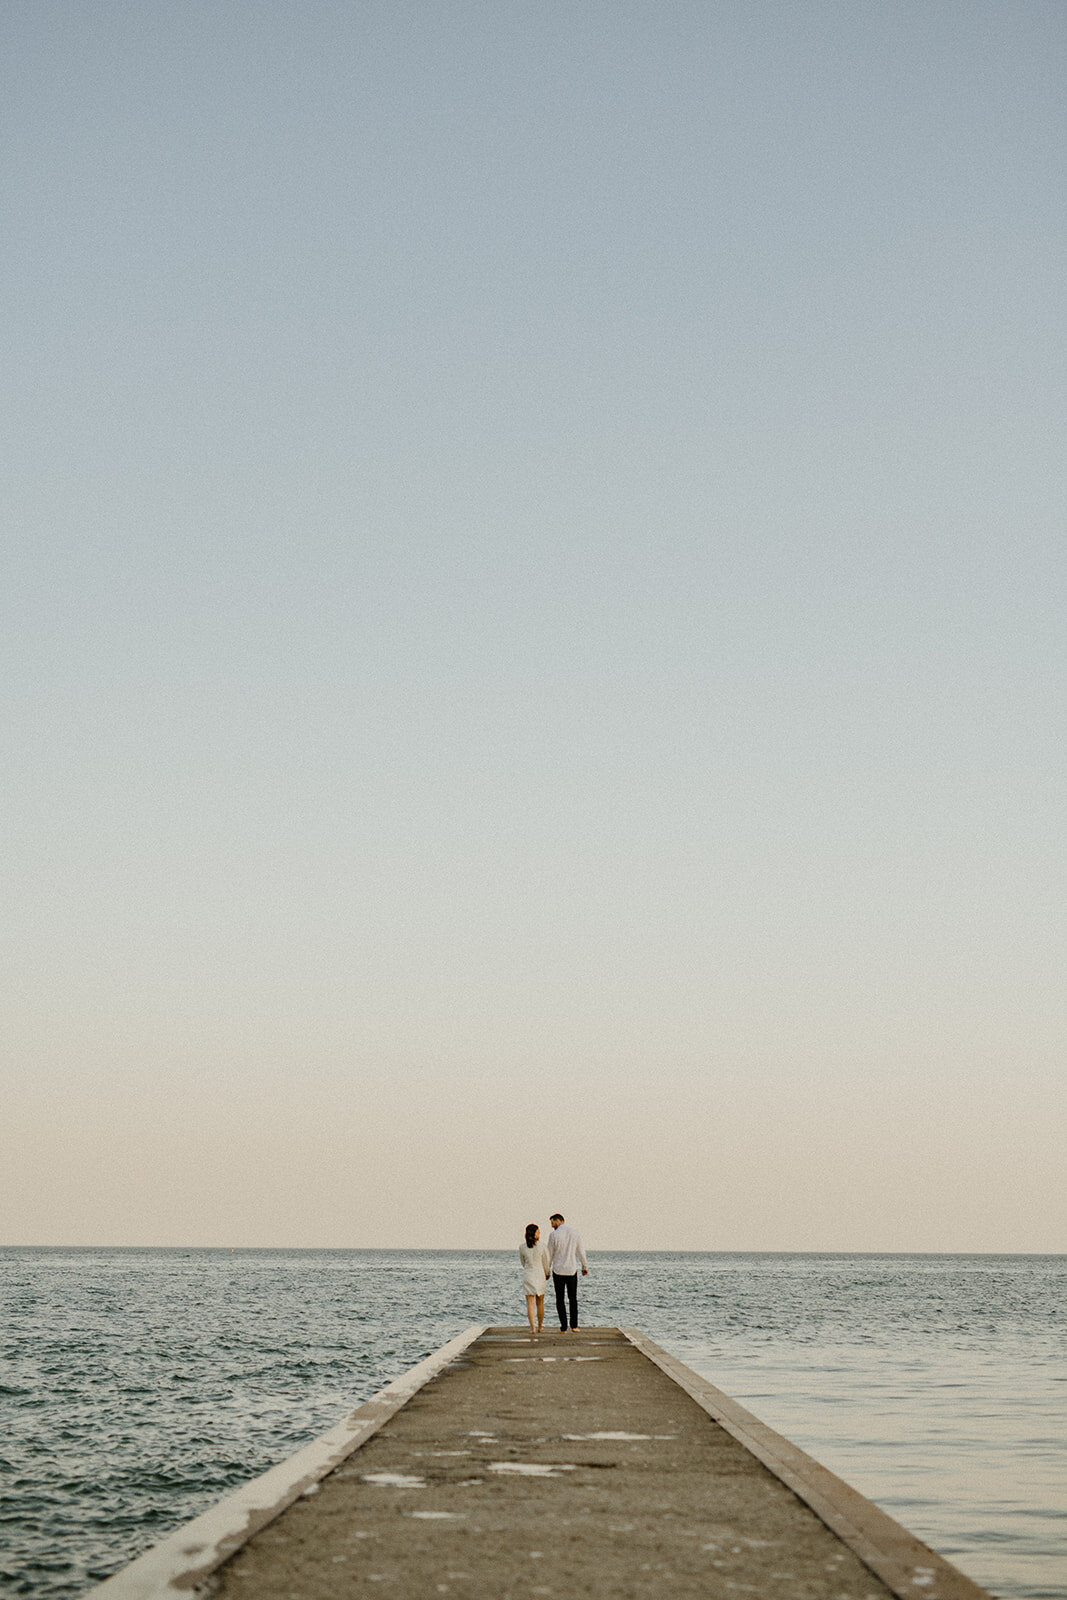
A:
(566, 1284)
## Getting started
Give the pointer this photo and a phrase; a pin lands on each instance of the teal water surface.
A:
(139, 1386)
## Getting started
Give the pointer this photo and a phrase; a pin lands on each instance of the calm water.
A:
(138, 1386)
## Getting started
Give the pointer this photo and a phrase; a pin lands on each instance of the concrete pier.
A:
(587, 1464)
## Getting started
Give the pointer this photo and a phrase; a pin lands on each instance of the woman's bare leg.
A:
(540, 1312)
(530, 1310)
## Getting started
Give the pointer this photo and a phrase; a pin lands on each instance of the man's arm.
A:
(581, 1257)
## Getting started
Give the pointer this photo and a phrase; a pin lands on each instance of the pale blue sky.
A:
(532, 622)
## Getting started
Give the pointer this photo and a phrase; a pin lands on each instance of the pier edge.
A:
(904, 1564)
(189, 1555)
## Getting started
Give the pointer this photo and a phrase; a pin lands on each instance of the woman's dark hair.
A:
(531, 1234)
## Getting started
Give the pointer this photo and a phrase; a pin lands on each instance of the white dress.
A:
(534, 1258)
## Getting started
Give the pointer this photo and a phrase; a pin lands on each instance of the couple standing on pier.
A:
(558, 1256)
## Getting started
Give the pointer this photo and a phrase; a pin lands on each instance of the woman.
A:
(534, 1258)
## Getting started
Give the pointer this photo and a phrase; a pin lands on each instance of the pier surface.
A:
(586, 1464)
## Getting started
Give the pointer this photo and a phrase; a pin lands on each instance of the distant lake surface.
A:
(137, 1387)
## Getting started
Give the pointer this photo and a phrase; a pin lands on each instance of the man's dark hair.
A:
(557, 1216)
(531, 1234)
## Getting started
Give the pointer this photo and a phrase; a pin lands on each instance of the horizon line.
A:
(416, 1249)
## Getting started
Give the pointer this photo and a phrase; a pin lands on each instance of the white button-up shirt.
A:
(565, 1250)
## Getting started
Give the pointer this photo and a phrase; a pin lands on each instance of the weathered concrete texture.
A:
(570, 1465)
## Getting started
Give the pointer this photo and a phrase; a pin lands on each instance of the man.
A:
(564, 1253)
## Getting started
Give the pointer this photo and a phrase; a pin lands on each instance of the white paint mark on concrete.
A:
(531, 1469)
(616, 1436)
(557, 1358)
(394, 1480)
(436, 1516)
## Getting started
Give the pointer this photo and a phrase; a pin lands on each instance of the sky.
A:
(531, 623)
